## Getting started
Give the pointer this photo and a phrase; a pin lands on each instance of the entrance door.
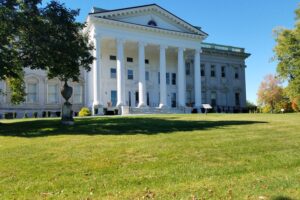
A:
(136, 99)
(129, 99)
(113, 97)
(173, 100)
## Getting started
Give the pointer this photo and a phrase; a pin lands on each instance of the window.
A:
(31, 93)
(52, 93)
(212, 71)
(158, 78)
(113, 97)
(152, 23)
(77, 96)
(173, 78)
(168, 78)
(187, 69)
(130, 74)
(237, 99)
(223, 71)
(129, 59)
(236, 73)
(213, 98)
(202, 69)
(113, 72)
(111, 57)
(146, 61)
(147, 76)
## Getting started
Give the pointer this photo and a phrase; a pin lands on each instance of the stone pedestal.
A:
(67, 114)
(125, 110)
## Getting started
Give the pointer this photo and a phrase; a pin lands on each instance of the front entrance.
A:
(173, 100)
(136, 99)
(129, 99)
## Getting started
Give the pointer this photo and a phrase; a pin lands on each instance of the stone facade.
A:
(134, 47)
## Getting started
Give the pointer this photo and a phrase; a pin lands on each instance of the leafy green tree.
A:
(46, 38)
(11, 67)
(287, 52)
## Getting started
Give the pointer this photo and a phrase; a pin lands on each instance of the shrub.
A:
(84, 112)
(35, 114)
(25, 115)
(296, 104)
(57, 114)
(8, 115)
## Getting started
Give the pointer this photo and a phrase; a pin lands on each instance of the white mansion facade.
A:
(146, 59)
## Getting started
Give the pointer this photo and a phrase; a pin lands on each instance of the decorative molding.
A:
(150, 8)
(147, 28)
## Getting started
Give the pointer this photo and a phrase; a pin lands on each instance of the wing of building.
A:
(148, 60)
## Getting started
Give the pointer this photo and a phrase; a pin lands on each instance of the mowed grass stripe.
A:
(243, 156)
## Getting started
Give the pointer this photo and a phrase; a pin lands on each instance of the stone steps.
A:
(151, 110)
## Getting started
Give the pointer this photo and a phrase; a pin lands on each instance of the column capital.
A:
(198, 50)
(181, 49)
(163, 47)
(142, 44)
(96, 34)
(120, 41)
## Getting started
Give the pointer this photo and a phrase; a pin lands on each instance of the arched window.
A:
(152, 23)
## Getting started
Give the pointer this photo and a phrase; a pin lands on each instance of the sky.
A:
(242, 23)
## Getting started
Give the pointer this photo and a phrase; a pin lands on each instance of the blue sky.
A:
(244, 23)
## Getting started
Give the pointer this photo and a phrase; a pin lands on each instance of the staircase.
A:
(151, 110)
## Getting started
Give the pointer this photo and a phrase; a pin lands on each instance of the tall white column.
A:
(142, 82)
(162, 70)
(120, 73)
(181, 78)
(97, 73)
(197, 78)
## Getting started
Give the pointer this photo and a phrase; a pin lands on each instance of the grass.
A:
(242, 156)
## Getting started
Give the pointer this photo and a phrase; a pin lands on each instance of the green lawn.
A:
(242, 156)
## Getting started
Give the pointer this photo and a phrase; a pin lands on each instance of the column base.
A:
(163, 106)
(119, 104)
(97, 109)
(142, 105)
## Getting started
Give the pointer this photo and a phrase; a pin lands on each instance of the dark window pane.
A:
(129, 59)
(111, 57)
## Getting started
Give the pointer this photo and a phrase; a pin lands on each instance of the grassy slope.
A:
(164, 156)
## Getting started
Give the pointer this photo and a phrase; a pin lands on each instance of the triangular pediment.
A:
(151, 16)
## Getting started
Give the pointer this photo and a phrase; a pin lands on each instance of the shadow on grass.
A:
(111, 126)
(281, 198)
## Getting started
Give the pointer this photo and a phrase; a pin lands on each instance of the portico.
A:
(162, 58)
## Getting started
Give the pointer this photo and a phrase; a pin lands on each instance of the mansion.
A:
(148, 60)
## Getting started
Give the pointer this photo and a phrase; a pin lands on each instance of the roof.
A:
(224, 48)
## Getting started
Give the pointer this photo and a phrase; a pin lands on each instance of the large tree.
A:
(36, 37)
(287, 52)
(270, 92)
(11, 66)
